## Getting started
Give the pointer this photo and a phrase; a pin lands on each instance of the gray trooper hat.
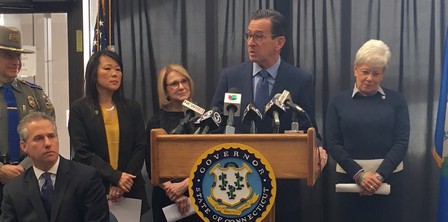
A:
(11, 40)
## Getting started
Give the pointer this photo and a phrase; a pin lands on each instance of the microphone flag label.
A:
(232, 98)
(193, 107)
(232, 182)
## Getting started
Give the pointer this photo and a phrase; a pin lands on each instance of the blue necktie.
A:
(13, 121)
(262, 96)
(47, 193)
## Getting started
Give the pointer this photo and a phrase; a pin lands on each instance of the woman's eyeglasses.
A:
(175, 84)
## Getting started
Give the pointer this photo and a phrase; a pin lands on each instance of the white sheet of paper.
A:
(354, 188)
(172, 212)
(126, 210)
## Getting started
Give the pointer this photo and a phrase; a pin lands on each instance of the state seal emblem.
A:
(232, 182)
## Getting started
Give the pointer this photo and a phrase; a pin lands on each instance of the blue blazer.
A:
(79, 196)
(296, 81)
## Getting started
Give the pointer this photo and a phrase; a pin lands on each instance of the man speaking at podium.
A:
(259, 80)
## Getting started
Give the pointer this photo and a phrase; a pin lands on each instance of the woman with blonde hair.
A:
(174, 86)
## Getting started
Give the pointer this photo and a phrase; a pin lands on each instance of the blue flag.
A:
(440, 135)
(104, 27)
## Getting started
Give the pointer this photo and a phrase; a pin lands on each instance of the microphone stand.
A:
(206, 129)
(230, 129)
(253, 128)
(276, 122)
(198, 131)
(294, 122)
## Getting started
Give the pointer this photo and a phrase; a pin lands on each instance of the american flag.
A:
(440, 139)
(103, 28)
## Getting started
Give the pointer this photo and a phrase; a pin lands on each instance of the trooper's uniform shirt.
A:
(29, 98)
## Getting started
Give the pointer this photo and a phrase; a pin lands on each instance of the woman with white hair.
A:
(367, 133)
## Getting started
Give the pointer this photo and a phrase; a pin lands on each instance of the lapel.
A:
(100, 139)
(282, 77)
(32, 189)
(123, 124)
(62, 181)
(247, 88)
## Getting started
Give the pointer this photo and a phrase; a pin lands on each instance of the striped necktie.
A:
(13, 121)
(47, 192)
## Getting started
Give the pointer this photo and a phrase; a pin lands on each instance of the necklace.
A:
(110, 109)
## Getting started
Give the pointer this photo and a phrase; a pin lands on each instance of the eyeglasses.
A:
(10, 55)
(258, 37)
(175, 84)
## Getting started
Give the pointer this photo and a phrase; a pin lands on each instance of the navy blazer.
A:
(88, 139)
(296, 81)
(79, 196)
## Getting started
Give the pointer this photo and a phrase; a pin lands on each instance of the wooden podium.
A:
(291, 156)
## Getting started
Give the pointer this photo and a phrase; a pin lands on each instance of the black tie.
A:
(262, 96)
(13, 121)
(47, 193)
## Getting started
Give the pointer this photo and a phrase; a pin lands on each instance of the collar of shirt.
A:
(53, 170)
(14, 83)
(273, 70)
(380, 90)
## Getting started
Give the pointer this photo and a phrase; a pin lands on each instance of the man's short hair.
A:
(278, 21)
(33, 116)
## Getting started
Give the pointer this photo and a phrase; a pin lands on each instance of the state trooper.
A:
(17, 99)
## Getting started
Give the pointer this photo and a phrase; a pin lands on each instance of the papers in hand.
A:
(127, 209)
(354, 188)
(172, 212)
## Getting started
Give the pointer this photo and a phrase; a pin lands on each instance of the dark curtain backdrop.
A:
(206, 36)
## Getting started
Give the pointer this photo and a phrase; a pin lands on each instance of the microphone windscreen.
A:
(251, 113)
(285, 98)
(232, 100)
(274, 105)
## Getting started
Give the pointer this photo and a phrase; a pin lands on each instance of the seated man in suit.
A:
(54, 189)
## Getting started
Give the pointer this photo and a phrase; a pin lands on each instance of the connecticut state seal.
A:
(232, 182)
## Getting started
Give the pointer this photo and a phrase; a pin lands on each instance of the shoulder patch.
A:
(30, 84)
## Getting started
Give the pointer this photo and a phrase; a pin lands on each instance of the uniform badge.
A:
(47, 101)
(31, 102)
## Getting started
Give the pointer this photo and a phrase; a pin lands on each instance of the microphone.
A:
(251, 115)
(209, 121)
(232, 103)
(190, 111)
(190, 105)
(274, 109)
(285, 98)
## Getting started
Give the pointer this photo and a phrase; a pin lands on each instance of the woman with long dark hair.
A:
(107, 130)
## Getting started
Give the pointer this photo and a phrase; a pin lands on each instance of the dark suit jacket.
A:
(88, 139)
(301, 87)
(79, 196)
(296, 81)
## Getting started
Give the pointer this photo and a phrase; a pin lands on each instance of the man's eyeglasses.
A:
(175, 84)
(258, 37)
